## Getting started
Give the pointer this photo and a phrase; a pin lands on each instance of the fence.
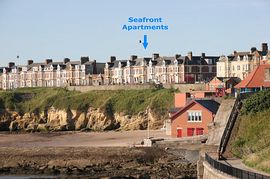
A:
(235, 172)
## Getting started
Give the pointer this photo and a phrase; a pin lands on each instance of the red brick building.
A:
(193, 118)
(220, 85)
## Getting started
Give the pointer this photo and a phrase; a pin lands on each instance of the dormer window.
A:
(106, 65)
(128, 64)
(175, 62)
(238, 57)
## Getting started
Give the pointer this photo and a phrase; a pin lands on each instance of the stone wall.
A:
(181, 87)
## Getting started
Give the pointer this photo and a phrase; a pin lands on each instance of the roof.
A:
(208, 104)
(256, 79)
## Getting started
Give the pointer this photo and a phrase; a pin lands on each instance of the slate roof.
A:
(255, 79)
(210, 105)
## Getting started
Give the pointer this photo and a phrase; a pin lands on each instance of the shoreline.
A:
(136, 162)
(95, 155)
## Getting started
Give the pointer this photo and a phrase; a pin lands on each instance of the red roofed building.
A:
(257, 80)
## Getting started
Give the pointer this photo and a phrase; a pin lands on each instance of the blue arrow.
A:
(145, 43)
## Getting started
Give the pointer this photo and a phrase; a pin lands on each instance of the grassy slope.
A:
(252, 141)
(127, 101)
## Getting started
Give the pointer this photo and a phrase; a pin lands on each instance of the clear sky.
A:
(40, 29)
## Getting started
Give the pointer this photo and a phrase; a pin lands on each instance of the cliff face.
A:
(95, 119)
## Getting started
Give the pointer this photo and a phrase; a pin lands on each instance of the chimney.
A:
(155, 56)
(11, 64)
(203, 56)
(47, 61)
(66, 60)
(235, 53)
(177, 56)
(181, 99)
(112, 59)
(94, 67)
(253, 49)
(189, 55)
(84, 60)
(264, 47)
(29, 62)
(133, 57)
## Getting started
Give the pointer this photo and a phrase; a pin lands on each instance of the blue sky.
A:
(40, 29)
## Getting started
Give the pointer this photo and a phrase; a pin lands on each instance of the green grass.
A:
(252, 141)
(126, 101)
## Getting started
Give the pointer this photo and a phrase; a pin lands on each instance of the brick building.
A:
(192, 117)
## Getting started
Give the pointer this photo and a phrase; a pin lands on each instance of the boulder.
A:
(13, 126)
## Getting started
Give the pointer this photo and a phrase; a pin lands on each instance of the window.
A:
(238, 67)
(194, 116)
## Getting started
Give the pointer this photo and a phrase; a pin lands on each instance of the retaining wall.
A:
(181, 87)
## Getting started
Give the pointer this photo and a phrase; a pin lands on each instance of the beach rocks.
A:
(96, 162)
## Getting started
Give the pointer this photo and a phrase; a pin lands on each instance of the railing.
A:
(235, 172)
(229, 126)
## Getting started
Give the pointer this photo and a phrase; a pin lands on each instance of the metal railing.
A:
(229, 126)
(235, 172)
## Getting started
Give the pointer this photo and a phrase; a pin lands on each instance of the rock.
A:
(54, 164)
(81, 121)
(32, 127)
(13, 126)
(43, 127)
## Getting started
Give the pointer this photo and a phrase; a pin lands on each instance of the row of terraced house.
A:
(135, 70)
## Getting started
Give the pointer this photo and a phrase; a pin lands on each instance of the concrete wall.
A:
(217, 128)
(211, 173)
(181, 87)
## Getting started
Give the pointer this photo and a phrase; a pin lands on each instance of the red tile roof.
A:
(255, 79)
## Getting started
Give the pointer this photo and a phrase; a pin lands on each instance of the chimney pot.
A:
(189, 55)
(264, 47)
(11, 64)
(47, 61)
(177, 56)
(112, 59)
(29, 62)
(155, 56)
(84, 60)
(133, 57)
(66, 60)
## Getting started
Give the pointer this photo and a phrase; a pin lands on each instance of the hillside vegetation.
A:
(126, 101)
(252, 142)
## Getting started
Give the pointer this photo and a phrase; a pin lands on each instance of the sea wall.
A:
(181, 87)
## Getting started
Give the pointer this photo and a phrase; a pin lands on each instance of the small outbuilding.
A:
(193, 118)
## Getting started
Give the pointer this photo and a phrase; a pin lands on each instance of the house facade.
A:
(166, 70)
(240, 64)
(192, 118)
(50, 74)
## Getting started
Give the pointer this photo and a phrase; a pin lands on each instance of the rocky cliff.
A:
(96, 119)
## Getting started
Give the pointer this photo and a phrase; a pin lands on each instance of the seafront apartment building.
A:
(240, 64)
(166, 70)
(51, 74)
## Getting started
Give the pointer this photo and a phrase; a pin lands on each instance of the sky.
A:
(58, 29)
